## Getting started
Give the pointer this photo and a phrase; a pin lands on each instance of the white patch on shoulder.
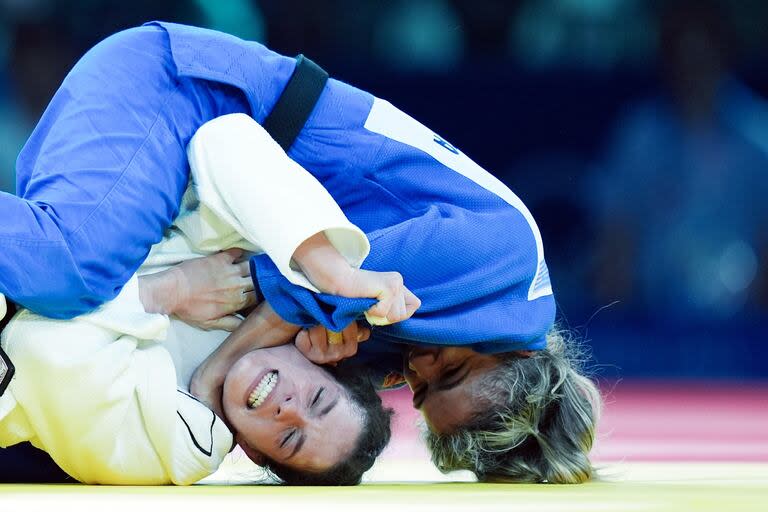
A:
(385, 119)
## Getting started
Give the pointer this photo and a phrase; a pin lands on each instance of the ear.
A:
(256, 456)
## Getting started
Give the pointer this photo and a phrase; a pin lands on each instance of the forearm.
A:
(158, 292)
(262, 328)
(246, 179)
(323, 265)
(330, 272)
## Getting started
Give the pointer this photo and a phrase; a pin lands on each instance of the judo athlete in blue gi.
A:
(487, 369)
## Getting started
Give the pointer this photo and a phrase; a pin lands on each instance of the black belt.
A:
(6, 366)
(296, 103)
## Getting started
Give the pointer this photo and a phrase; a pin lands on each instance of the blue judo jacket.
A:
(464, 243)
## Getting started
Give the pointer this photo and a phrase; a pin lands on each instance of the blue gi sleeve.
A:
(300, 306)
(471, 270)
(99, 180)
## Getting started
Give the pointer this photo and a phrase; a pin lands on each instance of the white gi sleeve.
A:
(99, 394)
(246, 179)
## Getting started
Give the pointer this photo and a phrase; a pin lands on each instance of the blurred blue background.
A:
(636, 131)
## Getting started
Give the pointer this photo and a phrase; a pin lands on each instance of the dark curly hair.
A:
(374, 435)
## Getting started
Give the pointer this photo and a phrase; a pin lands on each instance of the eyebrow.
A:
(303, 437)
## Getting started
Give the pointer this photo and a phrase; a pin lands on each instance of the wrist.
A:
(323, 265)
(159, 292)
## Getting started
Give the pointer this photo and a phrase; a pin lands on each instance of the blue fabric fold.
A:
(300, 306)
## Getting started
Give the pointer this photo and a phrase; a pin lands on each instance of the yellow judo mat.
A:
(662, 446)
(638, 486)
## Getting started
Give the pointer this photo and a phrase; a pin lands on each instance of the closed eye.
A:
(450, 374)
(288, 437)
(453, 377)
(316, 398)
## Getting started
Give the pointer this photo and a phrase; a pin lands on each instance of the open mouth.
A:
(262, 390)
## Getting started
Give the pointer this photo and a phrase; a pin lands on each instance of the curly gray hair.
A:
(538, 422)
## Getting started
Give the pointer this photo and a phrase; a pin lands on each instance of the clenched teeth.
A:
(262, 390)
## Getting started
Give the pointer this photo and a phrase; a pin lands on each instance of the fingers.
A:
(310, 342)
(349, 334)
(232, 255)
(353, 335)
(376, 320)
(322, 346)
(397, 313)
(396, 301)
(348, 347)
(412, 303)
(380, 311)
(401, 307)
(246, 283)
(234, 294)
(304, 344)
(334, 338)
(318, 337)
(248, 299)
(225, 323)
(244, 269)
(363, 333)
(390, 290)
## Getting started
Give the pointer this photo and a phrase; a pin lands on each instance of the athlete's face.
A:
(290, 410)
(447, 383)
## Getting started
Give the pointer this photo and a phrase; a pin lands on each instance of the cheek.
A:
(434, 416)
(240, 418)
(228, 401)
(444, 411)
(255, 434)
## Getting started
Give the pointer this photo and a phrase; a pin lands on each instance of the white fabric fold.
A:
(245, 178)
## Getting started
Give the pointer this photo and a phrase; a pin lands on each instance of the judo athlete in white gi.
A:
(488, 371)
(107, 393)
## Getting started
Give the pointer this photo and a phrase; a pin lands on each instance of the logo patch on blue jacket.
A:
(447, 145)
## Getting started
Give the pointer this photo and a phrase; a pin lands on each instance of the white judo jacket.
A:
(99, 392)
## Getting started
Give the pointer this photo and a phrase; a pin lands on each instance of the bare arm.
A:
(204, 292)
(263, 328)
(246, 179)
(330, 272)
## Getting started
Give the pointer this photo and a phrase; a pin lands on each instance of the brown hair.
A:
(373, 438)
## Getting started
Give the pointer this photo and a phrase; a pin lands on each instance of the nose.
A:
(289, 411)
(423, 361)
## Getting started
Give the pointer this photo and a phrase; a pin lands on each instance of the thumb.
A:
(363, 333)
(376, 320)
(233, 254)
